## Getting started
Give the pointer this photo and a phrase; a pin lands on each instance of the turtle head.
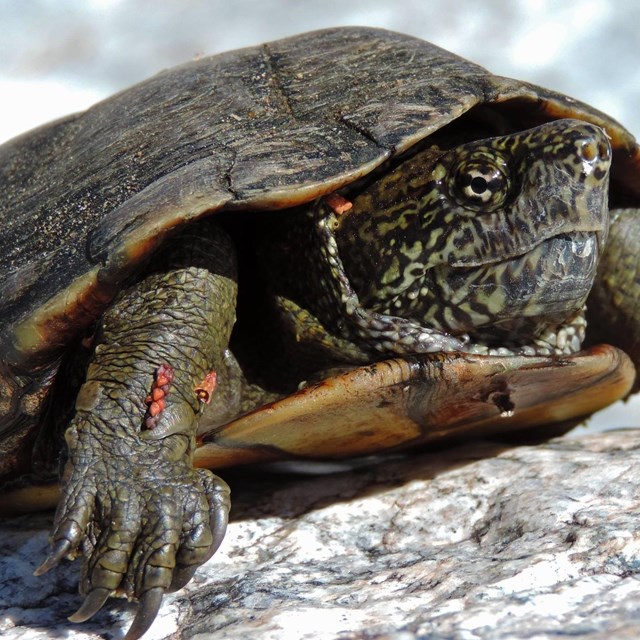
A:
(497, 239)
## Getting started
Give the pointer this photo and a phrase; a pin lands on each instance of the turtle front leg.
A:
(613, 307)
(132, 503)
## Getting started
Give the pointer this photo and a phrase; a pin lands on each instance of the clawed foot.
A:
(142, 534)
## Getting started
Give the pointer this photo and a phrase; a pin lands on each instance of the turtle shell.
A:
(87, 198)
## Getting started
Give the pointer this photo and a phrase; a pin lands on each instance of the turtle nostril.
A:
(589, 150)
(604, 151)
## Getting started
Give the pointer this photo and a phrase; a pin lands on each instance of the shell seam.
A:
(342, 120)
(275, 81)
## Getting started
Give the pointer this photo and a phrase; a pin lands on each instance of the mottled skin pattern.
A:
(484, 205)
(122, 226)
(487, 247)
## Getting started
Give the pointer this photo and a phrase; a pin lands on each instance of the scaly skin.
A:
(132, 503)
(614, 304)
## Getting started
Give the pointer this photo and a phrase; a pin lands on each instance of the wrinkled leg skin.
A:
(132, 504)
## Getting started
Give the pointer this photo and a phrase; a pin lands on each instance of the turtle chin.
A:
(519, 300)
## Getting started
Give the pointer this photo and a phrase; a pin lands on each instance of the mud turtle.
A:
(414, 240)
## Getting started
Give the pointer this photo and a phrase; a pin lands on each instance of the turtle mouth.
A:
(579, 240)
(547, 291)
(568, 255)
(509, 302)
(582, 244)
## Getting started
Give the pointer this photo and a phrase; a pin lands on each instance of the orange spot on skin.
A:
(159, 390)
(154, 409)
(164, 375)
(156, 394)
(205, 389)
(337, 203)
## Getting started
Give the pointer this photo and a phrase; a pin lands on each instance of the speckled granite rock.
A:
(475, 542)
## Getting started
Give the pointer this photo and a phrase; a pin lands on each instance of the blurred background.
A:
(59, 56)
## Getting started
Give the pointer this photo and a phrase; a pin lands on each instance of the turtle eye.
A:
(480, 183)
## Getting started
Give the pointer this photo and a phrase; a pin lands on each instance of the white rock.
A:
(474, 542)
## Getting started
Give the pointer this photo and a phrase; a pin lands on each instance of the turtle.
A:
(344, 242)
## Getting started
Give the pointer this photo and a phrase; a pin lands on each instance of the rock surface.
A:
(479, 541)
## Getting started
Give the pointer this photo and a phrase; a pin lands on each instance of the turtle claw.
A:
(139, 533)
(181, 577)
(91, 605)
(219, 497)
(60, 549)
(147, 611)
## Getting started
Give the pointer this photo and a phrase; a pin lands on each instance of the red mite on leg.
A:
(337, 203)
(155, 401)
(205, 389)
